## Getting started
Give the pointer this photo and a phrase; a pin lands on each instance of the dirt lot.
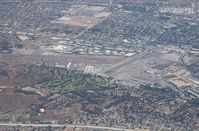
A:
(86, 17)
(15, 74)
(11, 100)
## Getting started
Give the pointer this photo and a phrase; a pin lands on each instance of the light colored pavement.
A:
(65, 125)
(116, 67)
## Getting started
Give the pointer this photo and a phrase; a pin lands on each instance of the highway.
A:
(65, 125)
(58, 1)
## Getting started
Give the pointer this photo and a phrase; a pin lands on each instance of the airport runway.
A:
(66, 125)
(124, 63)
(88, 60)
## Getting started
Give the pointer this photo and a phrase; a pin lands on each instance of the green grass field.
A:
(72, 81)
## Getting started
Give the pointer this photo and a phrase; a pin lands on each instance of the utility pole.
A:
(110, 5)
(195, 9)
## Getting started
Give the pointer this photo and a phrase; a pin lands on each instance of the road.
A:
(58, 1)
(65, 125)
